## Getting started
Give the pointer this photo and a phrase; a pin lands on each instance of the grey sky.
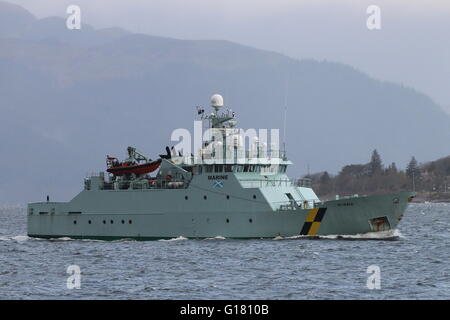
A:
(411, 48)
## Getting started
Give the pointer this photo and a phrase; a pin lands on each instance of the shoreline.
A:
(421, 197)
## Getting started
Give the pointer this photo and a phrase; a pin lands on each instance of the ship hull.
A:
(357, 215)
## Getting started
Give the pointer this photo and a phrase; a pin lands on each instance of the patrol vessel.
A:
(222, 190)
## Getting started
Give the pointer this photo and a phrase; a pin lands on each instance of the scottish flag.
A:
(218, 184)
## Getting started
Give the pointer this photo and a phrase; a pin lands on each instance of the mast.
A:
(220, 121)
(286, 87)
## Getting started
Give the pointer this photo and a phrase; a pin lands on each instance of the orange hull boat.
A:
(126, 168)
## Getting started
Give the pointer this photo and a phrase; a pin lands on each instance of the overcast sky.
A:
(412, 46)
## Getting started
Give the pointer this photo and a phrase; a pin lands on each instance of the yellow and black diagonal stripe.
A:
(312, 221)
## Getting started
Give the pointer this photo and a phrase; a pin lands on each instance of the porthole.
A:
(185, 197)
(123, 221)
(205, 197)
(129, 221)
(89, 221)
(75, 222)
(254, 196)
(104, 221)
(250, 220)
(112, 221)
(228, 220)
(228, 197)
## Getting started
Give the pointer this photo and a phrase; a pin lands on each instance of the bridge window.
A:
(188, 169)
(208, 168)
(238, 168)
(195, 169)
(218, 167)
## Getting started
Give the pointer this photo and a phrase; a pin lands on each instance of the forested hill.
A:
(70, 97)
(431, 180)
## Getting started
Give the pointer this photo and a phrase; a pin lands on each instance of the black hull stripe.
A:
(316, 220)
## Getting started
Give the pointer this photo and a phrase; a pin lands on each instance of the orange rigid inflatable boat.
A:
(120, 169)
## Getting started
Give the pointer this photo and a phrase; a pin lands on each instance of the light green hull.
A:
(247, 213)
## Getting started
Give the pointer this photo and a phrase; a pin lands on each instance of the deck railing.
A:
(144, 185)
(261, 183)
(296, 205)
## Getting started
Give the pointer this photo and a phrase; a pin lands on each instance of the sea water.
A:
(412, 262)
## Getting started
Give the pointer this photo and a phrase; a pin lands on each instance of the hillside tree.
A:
(375, 165)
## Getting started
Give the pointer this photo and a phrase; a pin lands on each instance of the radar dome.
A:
(217, 101)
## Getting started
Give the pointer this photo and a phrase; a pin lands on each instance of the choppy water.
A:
(414, 264)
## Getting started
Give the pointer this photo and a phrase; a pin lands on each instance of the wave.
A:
(62, 239)
(20, 238)
(125, 240)
(380, 235)
(216, 238)
(174, 239)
